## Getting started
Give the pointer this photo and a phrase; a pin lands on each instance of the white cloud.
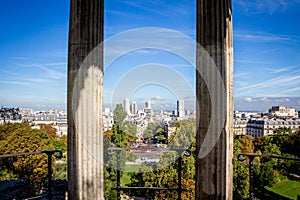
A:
(157, 98)
(264, 99)
(248, 99)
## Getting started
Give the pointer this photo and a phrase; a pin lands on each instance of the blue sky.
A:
(33, 50)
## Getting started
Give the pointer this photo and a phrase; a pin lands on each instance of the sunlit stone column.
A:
(85, 80)
(215, 100)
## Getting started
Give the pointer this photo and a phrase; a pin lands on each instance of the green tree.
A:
(25, 139)
(119, 115)
(60, 168)
(283, 130)
(267, 172)
(120, 136)
(293, 144)
(247, 145)
(49, 129)
(165, 173)
(130, 129)
(240, 169)
(148, 134)
(185, 136)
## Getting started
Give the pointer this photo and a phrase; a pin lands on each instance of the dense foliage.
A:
(20, 137)
(164, 174)
(267, 171)
(121, 135)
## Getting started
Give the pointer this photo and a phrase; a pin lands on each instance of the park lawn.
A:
(132, 168)
(126, 175)
(286, 188)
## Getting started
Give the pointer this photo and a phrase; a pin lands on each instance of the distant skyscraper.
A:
(148, 104)
(180, 108)
(133, 108)
(148, 109)
(127, 105)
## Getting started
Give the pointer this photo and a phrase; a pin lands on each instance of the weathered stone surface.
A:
(85, 154)
(85, 80)
(214, 99)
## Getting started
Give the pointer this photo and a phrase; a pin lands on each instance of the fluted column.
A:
(85, 80)
(214, 99)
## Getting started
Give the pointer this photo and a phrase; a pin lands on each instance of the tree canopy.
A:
(21, 138)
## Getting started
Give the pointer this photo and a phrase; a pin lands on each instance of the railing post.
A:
(50, 153)
(179, 187)
(251, 172)
(49, 174)
(118, 174)
(179, 190)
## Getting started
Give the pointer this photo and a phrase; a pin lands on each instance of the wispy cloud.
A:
(123, 13)
(163, 8)
(19, 58)
(250, 61)
(241, 83)
(280, 70)
(241, 74)
(264, 37)
(296, 89)
(56, 64)
(36, 80)
(59, 54)
(50, 73)
(278, 81)
(149, 6)
(264, 6)
(15, 83)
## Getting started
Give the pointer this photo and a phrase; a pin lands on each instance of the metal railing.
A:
(49, 153)
(179, 188)
(251, 157)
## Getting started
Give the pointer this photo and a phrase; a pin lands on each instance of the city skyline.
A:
(33, 51)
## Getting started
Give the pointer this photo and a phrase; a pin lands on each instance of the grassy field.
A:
(132, 168)
(125, 179)
(287, 188)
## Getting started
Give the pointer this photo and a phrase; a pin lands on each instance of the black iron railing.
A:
(179, 188)
(49, 153)
(251, 157)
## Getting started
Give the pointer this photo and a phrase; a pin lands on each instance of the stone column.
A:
(214, 100)
(84, 100)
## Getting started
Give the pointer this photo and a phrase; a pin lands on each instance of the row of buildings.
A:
(261, 124)
(142, 117)
(56, 118)
(132, 108)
